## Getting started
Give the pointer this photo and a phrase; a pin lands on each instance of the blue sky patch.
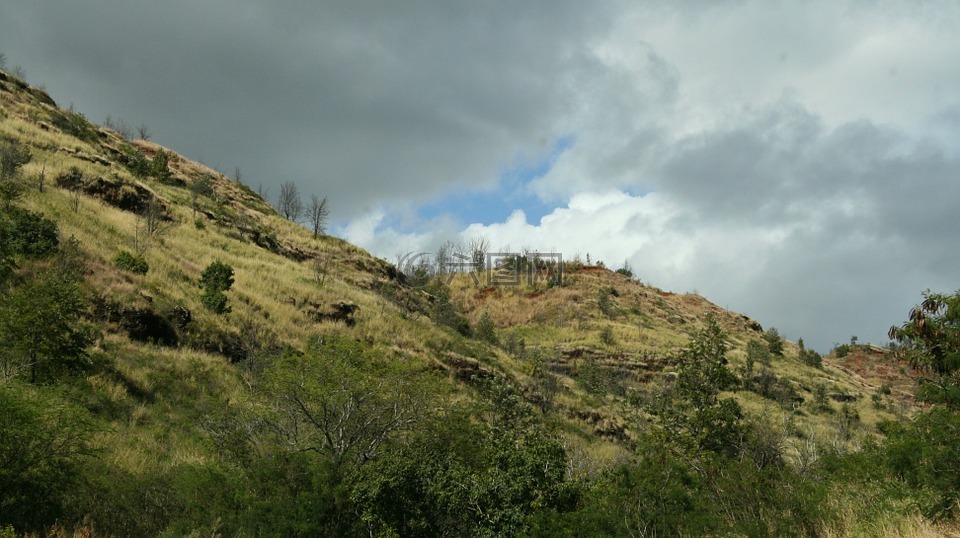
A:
(511, 193)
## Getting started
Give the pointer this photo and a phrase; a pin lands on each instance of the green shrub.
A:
(131, 262)
(27, 233)
(774, 341)
(159, 167)
(12, 158)
(606, 336)
(217, 276)
(924, 453)
(216, 279)
(138, 164)
(42, 441)
(215, 301)
(485, 329)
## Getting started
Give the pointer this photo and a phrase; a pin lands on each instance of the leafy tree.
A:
(40, 325)
(289, 204)
(42, 442)
(463, 478)
(12, 158)
(216, 279)
(138, 164)
(27, 233)
(485, 329)
(695, 417)
(926, 454)
(318, 213)
(808, 356)
(200, 186)
(774, 341)
(926, 451)
(930, 342)
(160, 167)
(444, 311)
(758, 352)
(344, 402)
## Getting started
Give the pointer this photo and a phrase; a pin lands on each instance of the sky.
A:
(795, 161)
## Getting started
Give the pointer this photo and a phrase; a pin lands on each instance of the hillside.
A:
(564, 380)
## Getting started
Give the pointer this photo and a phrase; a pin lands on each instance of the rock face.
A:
(141, 324)
(126, 196)
(340, 311)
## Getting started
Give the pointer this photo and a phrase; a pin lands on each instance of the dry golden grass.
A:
(274, 290)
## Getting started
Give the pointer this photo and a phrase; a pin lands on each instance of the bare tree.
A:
(151, 225)
(335, 407)
(321, 268)
(19, 72)
(479, 247)
(236, 175)
(289, 204)
(124, 130)
(318, 212)
(42, 177)
(75, 199)
(3, 61)
(143, 132)
(444, 258)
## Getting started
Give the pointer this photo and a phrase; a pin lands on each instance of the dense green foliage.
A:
(160, 167)
(926, 452)
(485, 329)
(42, 441)
(131, 262)
(27, 233)
(774, 341)
(40, 309)
(347, 438)
(215, 280)
(930, 342)
(12, 157)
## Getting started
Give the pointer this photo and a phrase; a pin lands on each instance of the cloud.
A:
(793, 161)
(823, 232)
(364, 102)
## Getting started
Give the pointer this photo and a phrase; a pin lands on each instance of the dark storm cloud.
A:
(866, 216)
(797, 162)
(367, 102)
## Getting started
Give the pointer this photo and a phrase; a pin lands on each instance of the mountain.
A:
(312, 385)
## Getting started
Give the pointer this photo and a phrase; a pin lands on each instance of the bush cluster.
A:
(131, 262)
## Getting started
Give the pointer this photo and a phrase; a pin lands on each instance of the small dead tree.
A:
(42, 177)
(289, 204)
(444, 258)
(321, 268)
(143, 132)
(75, 200)
(318, 212)
(479, 247)
(151, 226)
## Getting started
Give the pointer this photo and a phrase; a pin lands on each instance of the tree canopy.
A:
(930, 342)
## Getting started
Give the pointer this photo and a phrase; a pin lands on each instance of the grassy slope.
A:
(158, 393)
